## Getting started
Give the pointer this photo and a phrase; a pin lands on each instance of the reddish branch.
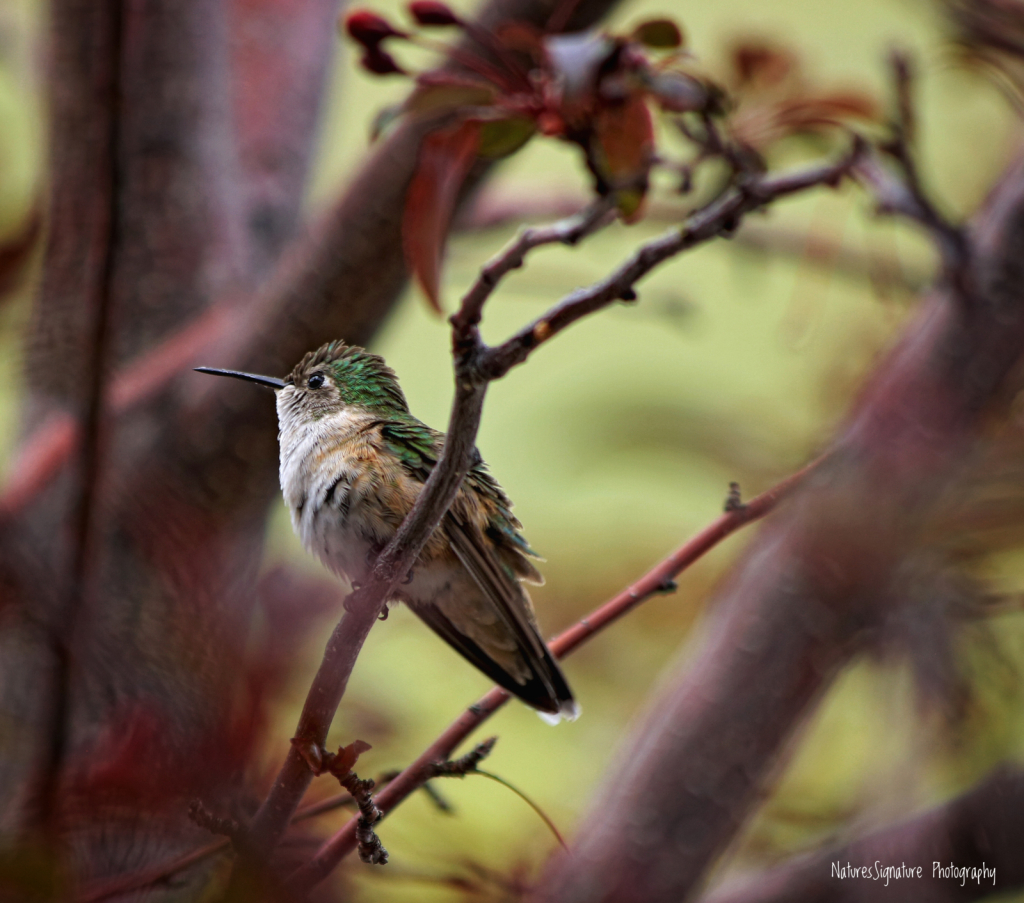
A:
(475, 366)
(721, 217)
(363, 607)
(658, 580)
(436, 761)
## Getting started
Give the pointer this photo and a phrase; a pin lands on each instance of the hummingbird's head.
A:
(338, 376)
(334, 377)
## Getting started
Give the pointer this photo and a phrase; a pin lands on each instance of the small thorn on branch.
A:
(467, 764)
(667, 587)
(734, 501)
(203, 817)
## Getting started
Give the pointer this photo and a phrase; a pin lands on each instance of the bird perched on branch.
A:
(353, 462)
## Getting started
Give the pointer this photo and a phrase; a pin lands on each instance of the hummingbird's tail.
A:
(544, 688)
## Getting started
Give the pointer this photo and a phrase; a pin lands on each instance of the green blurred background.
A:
(618, 440)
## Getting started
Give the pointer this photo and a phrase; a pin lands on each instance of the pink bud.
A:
(433, 12)
(380, 62)
(369, 29)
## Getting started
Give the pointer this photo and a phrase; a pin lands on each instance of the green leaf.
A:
(504, 136)
(661, 34)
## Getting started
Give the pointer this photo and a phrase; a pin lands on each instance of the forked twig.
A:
(476, 365)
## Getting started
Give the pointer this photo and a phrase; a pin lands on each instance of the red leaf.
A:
(347, 756)
(444, 161)
(624, 135)
(760, 64)
(661, 34)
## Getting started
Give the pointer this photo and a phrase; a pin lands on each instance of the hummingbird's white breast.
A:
(329, 489)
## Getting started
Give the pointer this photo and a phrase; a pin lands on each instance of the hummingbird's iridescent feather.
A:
(353, 462)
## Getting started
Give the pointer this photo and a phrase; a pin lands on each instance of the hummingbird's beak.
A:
(269, 381)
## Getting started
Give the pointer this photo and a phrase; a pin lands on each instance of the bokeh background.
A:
(619, 440)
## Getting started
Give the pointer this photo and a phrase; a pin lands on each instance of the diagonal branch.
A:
(474, 369)
(719, 218)
(659, 579)
(264, 343)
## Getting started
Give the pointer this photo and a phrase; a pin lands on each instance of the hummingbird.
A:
(353, 462)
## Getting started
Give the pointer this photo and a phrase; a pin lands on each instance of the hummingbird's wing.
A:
(534, 691)
(494, 554)
(512, 604)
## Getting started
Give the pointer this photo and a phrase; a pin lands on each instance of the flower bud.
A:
(433, 12)
(380, 62)
(369, 29)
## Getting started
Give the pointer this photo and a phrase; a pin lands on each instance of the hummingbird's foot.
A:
(383, 615)
(408, 577)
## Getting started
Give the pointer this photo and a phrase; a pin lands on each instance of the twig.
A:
(215, 824)
(568, 231)
(340, 764)
(720, 217)
(459, 768)
(651, 584)
(904, 194)
(544, 817)
(371, 850)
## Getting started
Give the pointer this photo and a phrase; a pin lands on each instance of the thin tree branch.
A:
(475, 368)
(720, 217)
(904, 193)
(363, 607)
(567, 231)
(656, 581)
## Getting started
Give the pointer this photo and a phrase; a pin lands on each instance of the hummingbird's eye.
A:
(316, 381)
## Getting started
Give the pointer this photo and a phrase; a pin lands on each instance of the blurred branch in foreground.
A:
(981, 830)
(816, 585)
